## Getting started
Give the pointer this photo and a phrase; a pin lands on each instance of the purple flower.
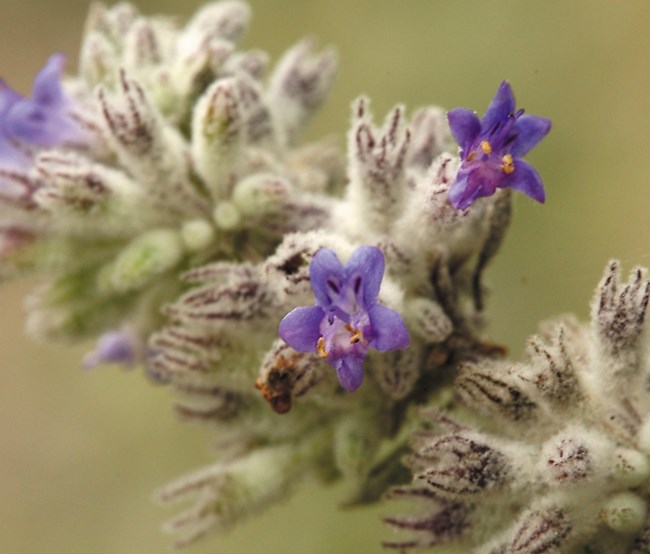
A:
(42, 121)
(491, 150)
(114, 347)
(347, 320)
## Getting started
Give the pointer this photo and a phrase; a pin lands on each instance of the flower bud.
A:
(145, 258)
(356, 442)
(260, 193)
(625, 512)
(153, 151)
(567, 459)
(431, 137)
(397, 372)
(229, 491)
(618, 315)
(376, 165)
(98, 61)
(428, 319)
(217, 134)
(226, 216)
(197, 234)
(545, 530)
(463, 466)
(631, 468)
(496, 389)
(298, 86)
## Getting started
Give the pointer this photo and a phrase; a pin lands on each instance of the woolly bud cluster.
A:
(554, 461)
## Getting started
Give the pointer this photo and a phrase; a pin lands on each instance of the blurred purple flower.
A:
(491, 150)
(347, 320)
(43, 120)
(114, 347)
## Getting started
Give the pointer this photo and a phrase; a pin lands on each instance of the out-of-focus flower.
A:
(114, 347)
(41, 121)
(492, 148)
(347, 320)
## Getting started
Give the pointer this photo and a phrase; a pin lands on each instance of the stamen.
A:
(486, 147)
(356, 334)
(508, 165)
(320, 348)
(471, 155)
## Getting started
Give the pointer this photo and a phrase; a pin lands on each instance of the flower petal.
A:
(530, 130)
(327, 277)
(46, 89)
(465, 126)
(502, 105)
(8, 97)
(350, 372)
(11, 158)
(364, 272)
(37, 125)
(459, 194)
(388, 328)
(467, 188)
(300, 328)
(525, 179)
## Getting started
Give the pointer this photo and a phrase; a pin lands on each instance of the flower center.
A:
(341, 339)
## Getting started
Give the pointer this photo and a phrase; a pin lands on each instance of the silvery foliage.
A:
(183, 232)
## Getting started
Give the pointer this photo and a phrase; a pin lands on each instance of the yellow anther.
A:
(471, 155)
(356, 337)
(320, 348)
(356, 334)
(508, 165)
(486, 147)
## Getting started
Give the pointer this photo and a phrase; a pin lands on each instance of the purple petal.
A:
(465, 126)
(364, 272)
(327, 276)
(46, 89)
(35, 124)
(530, 130)
(501, 106)
(459, 194)
(8, 97)
(350, 372)
(525, 179)
(389, 329)
(300, 328)
(466, 189)
(11, 158)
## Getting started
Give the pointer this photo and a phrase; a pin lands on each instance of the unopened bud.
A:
(226, 216)
(625, 512)
(197, 234)
(631, 468)
(260, 193)
(148, 256)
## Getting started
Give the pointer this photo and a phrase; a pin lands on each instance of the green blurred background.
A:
(81, 453)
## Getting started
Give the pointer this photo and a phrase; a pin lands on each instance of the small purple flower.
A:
(114, 347)
(347, 320)
(42, 121)
(491, 150)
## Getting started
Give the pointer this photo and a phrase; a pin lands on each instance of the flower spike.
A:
(346, 320)
(491, 150)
